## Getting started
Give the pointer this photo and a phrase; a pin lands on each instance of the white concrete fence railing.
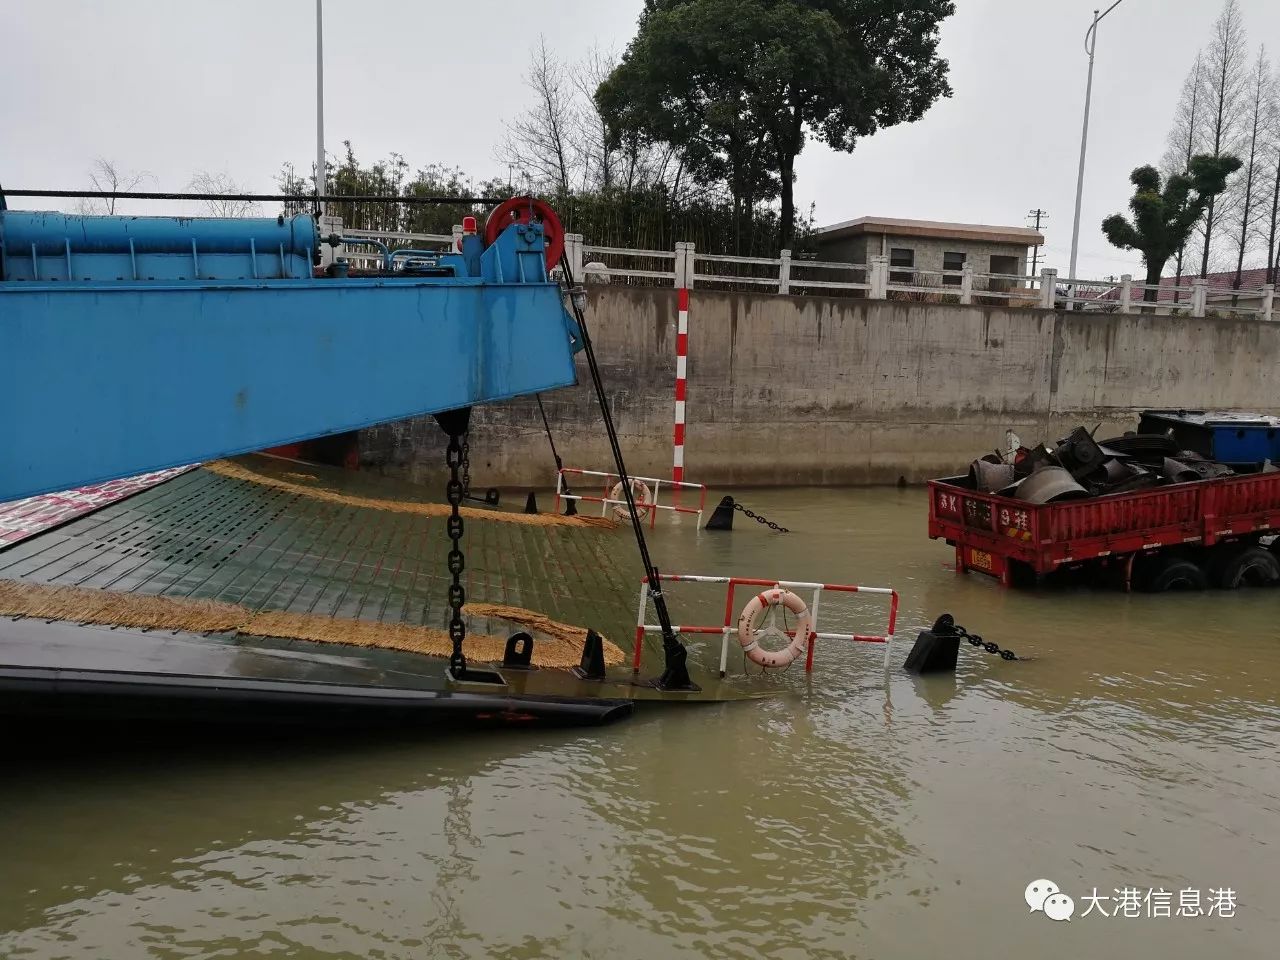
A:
(877, 279)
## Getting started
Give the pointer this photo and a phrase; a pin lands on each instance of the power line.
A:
(1095, 256)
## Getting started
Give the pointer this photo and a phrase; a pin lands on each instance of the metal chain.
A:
(976, 640)
(759, 519)
(454, 457)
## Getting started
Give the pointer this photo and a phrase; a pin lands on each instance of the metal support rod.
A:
(675, 674)
(322, 180)
(547, 426)
(1090, 43)
(386, 250)
(259, 197)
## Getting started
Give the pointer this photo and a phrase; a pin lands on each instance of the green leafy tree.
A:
(650, 99)
(639, 210)
(739, 85)
(1165, 214)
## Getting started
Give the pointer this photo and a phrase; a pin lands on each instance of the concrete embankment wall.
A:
(809, 390)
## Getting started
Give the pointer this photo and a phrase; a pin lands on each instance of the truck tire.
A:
(1022, 576)
(1168, 572)
(1252, 566)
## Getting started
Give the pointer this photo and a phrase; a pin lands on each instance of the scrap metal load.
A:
(1190, 499)
(1158, 454)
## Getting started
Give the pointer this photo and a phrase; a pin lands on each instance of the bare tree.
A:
(539, 141)
(1225, 81)
(599, 157)
(107, 177)
(1183, 142)
(1247, 209)
(1272, 151)
(216, 186)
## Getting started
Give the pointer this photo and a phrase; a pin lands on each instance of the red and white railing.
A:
(729, 626)
(607, 498)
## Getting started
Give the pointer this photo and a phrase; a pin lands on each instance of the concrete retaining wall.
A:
(797, 390)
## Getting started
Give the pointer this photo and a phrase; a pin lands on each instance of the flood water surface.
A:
(1130, 758)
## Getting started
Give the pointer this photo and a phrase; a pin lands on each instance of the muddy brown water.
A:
(858, 814)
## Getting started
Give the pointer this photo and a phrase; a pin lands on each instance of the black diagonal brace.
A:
(675, 673)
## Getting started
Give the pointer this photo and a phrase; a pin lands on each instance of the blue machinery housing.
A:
(135, 343)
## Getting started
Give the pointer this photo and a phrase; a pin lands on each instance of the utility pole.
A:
(1035, 253)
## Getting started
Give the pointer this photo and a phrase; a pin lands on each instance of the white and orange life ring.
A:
(750, 631)
(640, 493)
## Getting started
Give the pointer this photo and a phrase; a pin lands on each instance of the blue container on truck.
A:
(1223, 436)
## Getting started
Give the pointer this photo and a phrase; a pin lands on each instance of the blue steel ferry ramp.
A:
(248, 590)
(265, 591)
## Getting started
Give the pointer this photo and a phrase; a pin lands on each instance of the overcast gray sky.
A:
(176, 86)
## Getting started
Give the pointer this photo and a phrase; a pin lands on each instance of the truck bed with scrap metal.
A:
(1002, 536)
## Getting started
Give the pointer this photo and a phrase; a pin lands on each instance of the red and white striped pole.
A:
(684, 280)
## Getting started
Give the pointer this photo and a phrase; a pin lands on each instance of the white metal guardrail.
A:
(373, 252)
(732, 625)
(876, 279)
(646, 491)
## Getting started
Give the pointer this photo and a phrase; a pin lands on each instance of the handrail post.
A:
(1199, 296)
(1048, 288)
(573, 247)
(1268, 300)
(679, 262)
(966, 283)
(879, 278)
(457, 238)
(689, 270)
(1126, 293)
(784, 273)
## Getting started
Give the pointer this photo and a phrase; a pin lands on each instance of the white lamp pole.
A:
(1090, 41)
(321, 177)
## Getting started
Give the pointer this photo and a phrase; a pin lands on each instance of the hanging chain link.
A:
(454, 491)
(976, 640)
(759, 519)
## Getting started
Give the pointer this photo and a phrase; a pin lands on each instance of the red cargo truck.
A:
(1184, 536)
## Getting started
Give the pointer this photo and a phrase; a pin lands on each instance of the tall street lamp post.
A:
(1090, 41)
(321, 176)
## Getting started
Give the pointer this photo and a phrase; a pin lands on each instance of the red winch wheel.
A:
(525, 210)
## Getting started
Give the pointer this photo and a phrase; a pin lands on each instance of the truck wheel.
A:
(1022, 576)
(1251, 567)
(1172, 572)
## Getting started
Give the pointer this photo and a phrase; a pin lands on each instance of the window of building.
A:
(952, 261)
(1007, 266)
(902, 257)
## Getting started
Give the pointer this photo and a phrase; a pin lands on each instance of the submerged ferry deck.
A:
(358, 561)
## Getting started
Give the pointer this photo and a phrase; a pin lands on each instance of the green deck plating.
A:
(207, 536)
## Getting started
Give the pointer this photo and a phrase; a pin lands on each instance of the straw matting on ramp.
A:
(558, 644)
(346, 565)
(288, 480)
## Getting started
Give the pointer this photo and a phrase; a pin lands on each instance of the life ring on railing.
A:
(640, 493)
(749, 637)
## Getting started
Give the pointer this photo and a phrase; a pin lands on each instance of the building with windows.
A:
(930, 246)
